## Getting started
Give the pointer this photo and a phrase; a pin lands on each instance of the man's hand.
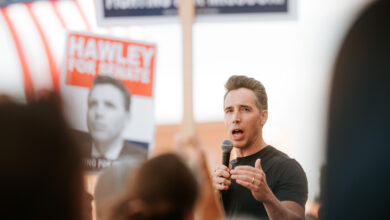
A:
(221, 177)
(254, 179)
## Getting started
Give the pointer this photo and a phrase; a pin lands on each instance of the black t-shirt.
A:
(285, 177)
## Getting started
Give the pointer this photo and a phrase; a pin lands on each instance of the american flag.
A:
(32, 42)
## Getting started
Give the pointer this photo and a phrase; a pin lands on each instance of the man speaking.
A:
(262, 182)
(107, 116)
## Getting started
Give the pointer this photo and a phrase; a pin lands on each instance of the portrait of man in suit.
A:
(108, 114)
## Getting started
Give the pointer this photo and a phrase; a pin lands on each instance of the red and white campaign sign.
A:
(129, 63)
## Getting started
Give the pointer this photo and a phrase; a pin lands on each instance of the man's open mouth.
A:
(237, 131)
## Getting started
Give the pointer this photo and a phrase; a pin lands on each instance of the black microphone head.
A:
(227, 146)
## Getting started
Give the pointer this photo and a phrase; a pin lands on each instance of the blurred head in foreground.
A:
(39, 162)
(162, 188)
(357, 177)
(112, 184)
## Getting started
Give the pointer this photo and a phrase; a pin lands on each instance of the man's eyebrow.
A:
(245, 106)
(228, 107)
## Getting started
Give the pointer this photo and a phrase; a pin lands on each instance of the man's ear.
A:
(263, 117)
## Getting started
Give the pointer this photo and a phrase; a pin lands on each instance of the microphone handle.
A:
(226, 158)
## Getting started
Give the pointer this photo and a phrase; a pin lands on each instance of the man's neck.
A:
(109, 150)
(252, 149)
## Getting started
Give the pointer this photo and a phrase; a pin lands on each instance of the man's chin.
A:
(99, 137)
(238, 144)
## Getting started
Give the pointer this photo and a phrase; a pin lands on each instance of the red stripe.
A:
(82, 15)
(55, 8)
(54, 70)
(28, 85)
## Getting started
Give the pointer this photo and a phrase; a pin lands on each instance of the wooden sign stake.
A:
(187, 14)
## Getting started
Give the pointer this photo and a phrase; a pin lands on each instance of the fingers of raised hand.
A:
(243, 183)
(222, 167)
(246, 168)
(221, 183)
(221, 178)
(246, 172)
(251, 183)
(222, 171)
(249, 179)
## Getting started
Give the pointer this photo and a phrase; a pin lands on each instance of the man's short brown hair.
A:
(108, 80)
(240, 81)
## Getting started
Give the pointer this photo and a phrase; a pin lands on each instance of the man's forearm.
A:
(286, 210)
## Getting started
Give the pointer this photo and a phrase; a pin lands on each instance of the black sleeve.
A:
(292, 183)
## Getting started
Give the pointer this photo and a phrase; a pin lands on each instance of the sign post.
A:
(187, 14)
(213, 211)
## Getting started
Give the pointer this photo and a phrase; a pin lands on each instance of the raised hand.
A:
(252, 178)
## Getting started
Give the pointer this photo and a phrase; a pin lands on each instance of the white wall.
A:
(293, 58)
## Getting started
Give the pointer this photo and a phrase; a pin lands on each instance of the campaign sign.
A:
(117, 12)
(130, 62)
(107, 87)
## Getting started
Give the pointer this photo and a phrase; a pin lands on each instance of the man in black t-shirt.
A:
(261, 182)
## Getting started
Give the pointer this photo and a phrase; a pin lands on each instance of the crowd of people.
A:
(41, 158)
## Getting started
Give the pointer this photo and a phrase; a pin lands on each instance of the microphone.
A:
(227, 146)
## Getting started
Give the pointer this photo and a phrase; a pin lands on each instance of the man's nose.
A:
(99, 111)
(236, 117)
